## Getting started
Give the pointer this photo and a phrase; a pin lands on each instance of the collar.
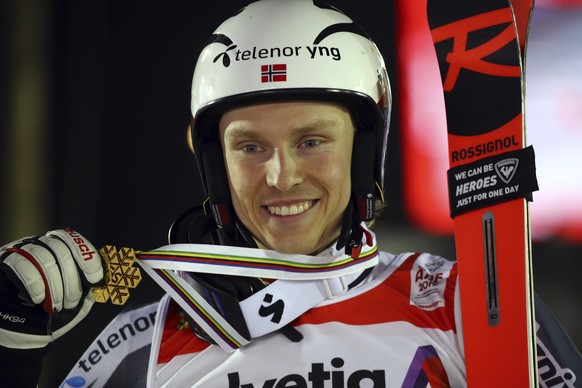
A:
(302, 282)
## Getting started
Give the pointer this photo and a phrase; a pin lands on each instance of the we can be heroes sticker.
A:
(492, 180)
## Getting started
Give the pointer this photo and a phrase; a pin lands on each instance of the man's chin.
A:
(296, 246)
(305, 241)
(288, 245)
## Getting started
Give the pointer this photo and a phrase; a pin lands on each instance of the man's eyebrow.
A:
(244, 132)
(240, 132)
(314, 126)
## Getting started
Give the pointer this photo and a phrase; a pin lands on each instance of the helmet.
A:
(274, 50)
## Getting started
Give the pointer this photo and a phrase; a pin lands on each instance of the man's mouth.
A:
(290, 210)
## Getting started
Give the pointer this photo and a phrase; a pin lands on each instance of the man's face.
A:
(288, 166)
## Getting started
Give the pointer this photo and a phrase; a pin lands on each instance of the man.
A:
(289, 131)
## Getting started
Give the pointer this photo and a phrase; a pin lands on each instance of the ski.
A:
(480, 48)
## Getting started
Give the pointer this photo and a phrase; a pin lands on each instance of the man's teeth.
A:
(290, 210)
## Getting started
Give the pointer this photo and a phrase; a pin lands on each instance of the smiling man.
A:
(288, 166)
(285, 285)
(289, 131)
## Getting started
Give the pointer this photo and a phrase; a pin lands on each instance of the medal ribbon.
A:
(303, 281)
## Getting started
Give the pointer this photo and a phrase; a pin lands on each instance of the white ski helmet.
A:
(288, 50)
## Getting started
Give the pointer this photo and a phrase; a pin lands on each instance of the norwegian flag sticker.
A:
(274, 73)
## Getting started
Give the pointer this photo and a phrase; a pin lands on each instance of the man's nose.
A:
(283, 170)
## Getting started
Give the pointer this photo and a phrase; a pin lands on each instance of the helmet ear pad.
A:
(363, 162)
(217, 185)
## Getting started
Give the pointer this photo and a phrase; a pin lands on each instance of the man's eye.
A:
(251, 148)
(311, 143)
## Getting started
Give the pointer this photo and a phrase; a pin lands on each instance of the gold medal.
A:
(120, 275)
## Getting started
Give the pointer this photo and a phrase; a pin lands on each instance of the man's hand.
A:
(45, 287)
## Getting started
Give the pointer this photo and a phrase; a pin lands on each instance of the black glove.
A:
(45, 287)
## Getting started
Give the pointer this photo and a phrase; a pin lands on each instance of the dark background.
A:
(95, 105)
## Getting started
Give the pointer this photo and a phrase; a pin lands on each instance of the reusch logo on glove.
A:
(86, 252)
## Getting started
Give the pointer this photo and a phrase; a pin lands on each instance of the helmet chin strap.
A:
(346, 230)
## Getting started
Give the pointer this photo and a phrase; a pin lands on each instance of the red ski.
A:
(480, 46)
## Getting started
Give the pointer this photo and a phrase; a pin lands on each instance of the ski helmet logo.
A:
(275, 309)
(315, 50)
(506, 169)
(220, 38)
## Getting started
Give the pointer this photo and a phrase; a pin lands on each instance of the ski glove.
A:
(45, 287)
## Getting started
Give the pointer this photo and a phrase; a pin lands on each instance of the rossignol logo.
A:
(476, 58)
(506, 169)
(481, 65)
(484, 148)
